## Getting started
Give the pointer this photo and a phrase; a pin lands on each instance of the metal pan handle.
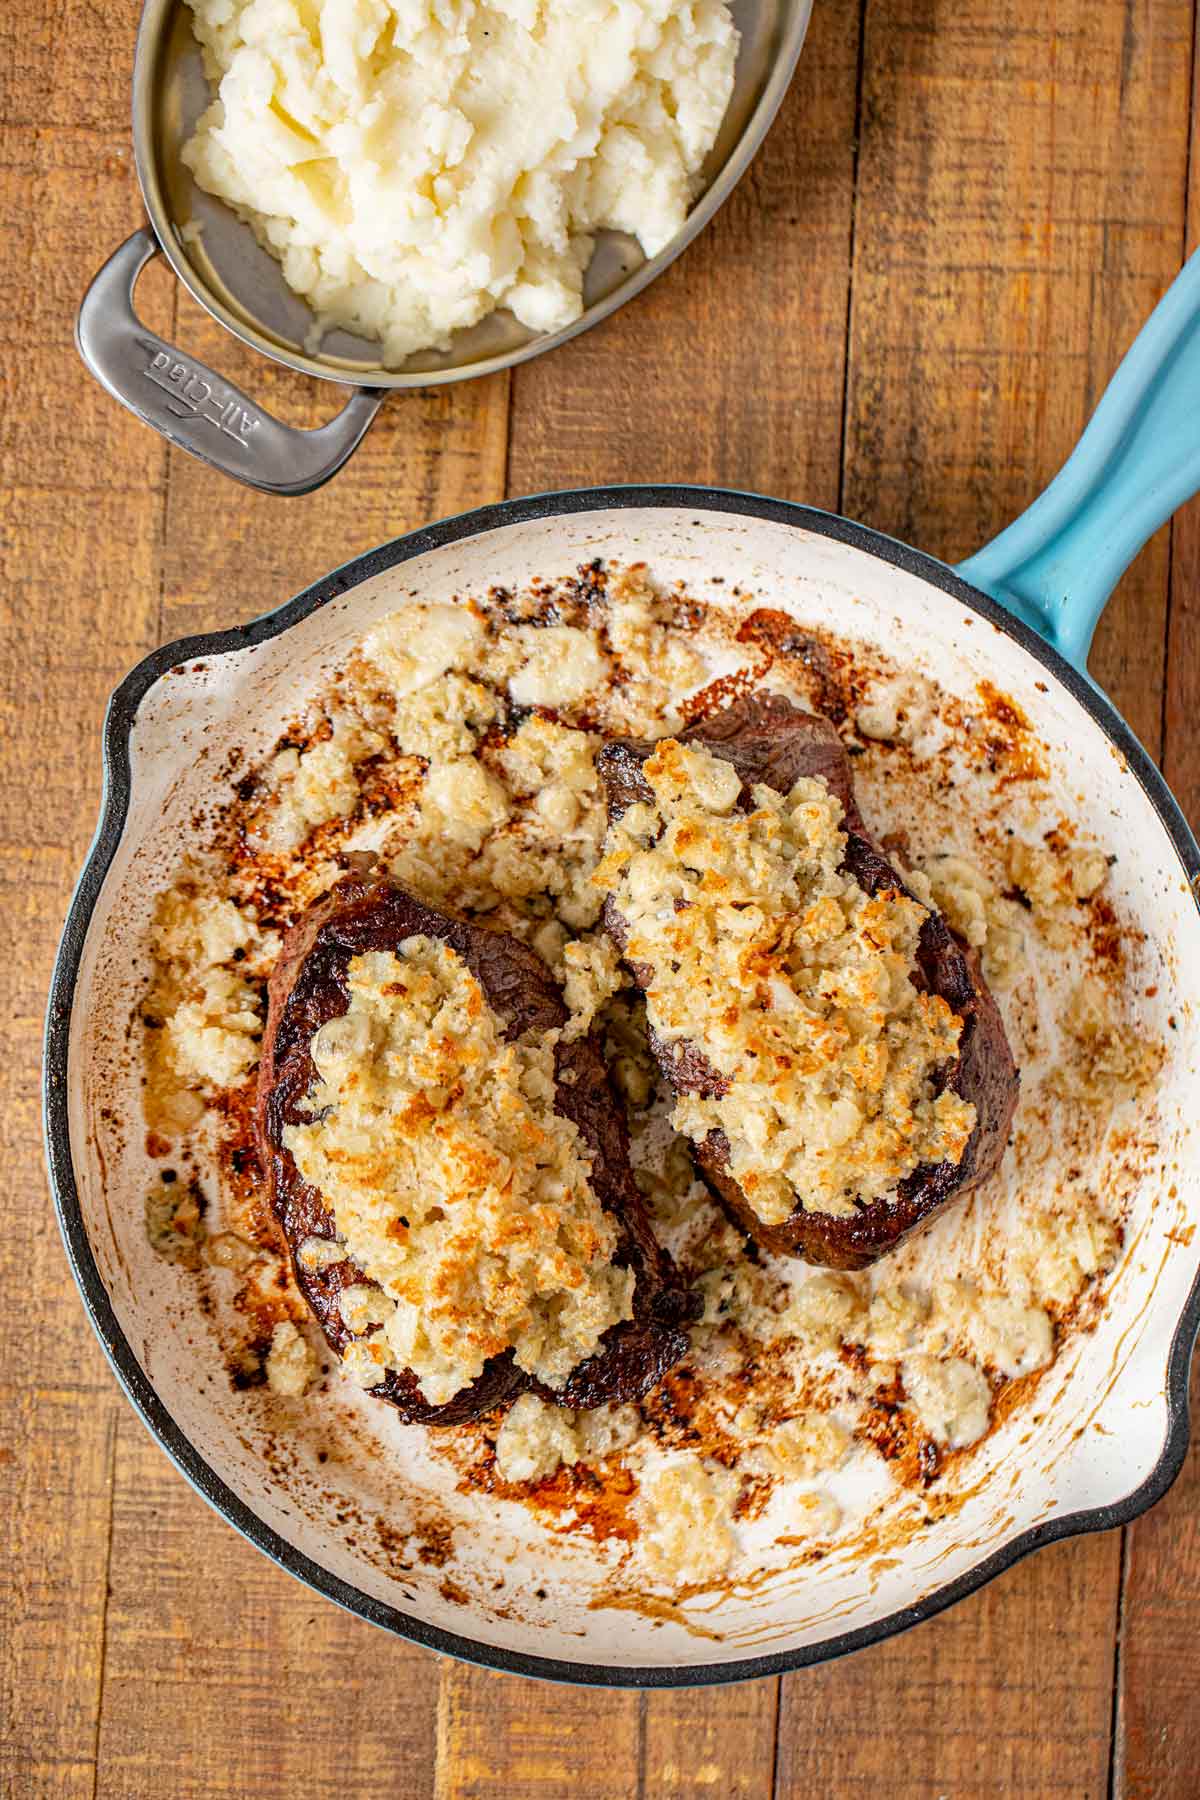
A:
(1138, 460)
(194, 407)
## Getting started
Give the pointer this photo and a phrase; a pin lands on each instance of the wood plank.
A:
(1001, 1696)
(1019, 211)
(711, 1743)
(55, 1491)
(247, 1642)
(224, 1677)
(1158, 1735)
(77, 607)
(67, 64)
(1158, 1732)
(1074, 115)
(500, 1737)
(1181, 753)
(231, 553)
(729, 369)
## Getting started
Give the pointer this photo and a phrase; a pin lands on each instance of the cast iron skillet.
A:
(1038, 590)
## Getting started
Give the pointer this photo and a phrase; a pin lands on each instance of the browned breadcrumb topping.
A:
(797, 985)
(453, 1182)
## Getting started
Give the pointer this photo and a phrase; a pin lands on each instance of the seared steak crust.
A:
(769, 741)
(308, 987)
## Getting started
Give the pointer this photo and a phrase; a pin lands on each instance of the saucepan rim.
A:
(114, 813)
(154, 21)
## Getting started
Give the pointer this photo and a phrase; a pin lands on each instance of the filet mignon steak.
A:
(309, 987)
(769, 741)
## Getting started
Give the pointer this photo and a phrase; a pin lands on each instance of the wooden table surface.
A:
(905, 313)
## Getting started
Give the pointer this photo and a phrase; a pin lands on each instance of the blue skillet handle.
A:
(1138, 460)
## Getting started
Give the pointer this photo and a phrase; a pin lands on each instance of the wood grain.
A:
(80, 505)
(1000, 1696)
(1157, 1752)
(1019, 210)
(501, 1738)
(237, 1680)
(1181, 751)
(1158, 1736)
(711, 1744)
(906, 310)
(230, 553)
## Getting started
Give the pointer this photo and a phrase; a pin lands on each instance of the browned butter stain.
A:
(597, 1502)
(656, 1607)
(1007, 740)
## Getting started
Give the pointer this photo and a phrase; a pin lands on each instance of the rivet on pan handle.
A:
(196, 408)
(1138, 460)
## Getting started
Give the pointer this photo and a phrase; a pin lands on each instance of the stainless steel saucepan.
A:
(241, 285)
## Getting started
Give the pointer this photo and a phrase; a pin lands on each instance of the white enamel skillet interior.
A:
(1114, 1407)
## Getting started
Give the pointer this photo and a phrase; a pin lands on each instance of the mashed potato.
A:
(415, 164)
